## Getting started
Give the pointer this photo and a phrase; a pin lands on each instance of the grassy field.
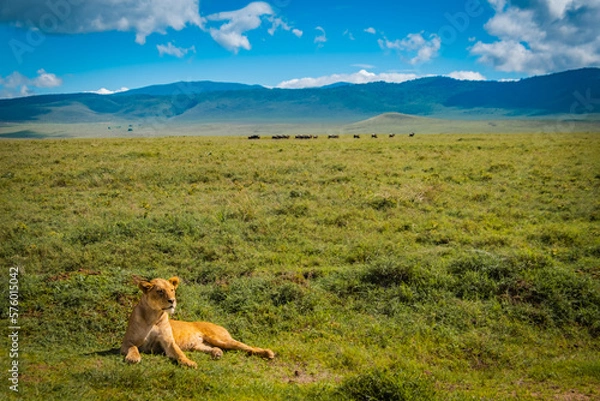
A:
(383, 124)
(439, 267)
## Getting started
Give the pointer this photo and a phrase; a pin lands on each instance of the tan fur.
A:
(150, 330)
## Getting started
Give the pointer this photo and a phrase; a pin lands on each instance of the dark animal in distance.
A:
(254, 137)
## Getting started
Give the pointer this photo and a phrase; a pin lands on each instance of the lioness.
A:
(150, 330)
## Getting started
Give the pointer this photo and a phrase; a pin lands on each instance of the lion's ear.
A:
(174, 281)
(145, 286)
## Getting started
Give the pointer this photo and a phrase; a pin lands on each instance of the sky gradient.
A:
(62, 46)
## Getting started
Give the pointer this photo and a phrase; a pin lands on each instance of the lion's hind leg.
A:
(231, 344)
(218, 336)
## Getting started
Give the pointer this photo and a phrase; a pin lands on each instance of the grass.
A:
(446, 267)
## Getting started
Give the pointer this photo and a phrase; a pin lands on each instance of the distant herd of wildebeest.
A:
(330, 136)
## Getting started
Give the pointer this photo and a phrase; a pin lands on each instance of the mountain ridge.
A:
(570, 93)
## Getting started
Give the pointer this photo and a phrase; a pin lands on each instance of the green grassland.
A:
(381, 124)
(439, 267)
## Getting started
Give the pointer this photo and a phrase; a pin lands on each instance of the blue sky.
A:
(60, 46)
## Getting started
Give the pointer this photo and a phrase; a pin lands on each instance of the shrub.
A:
(386, 385)
(387, 273)
(555, 295)
(483, 276)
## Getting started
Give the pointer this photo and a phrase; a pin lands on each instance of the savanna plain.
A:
(438, 267)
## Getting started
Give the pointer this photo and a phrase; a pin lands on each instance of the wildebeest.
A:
(303, 136)
(411, 134)
(281, 137)
(357, 136)
(374, 136)
(392, 135)
(333, 136)
(254, 137)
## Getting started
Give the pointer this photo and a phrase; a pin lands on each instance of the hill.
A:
(184, 88)
(567, 93)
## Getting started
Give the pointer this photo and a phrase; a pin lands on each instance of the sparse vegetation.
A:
(446, 267)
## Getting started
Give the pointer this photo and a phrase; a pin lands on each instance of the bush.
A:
(387, 385)
(534, 287)
(570, 298)
(388, 273)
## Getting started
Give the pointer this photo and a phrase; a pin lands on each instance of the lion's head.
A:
(160, 293)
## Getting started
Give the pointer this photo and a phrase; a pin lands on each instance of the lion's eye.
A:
(159, 292)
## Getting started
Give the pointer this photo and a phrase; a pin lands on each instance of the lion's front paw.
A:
(188, 362)
(269, 354)
(133, 356)
(216, 353)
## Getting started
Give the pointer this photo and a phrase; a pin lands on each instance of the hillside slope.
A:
(567, 93)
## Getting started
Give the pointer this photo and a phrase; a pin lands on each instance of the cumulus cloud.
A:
(141, 17)
(231, 35)
(371, 30)
(17, 84)
(467, 76)
(415, 46)
(360, 77)
(541, 36)
(173, 50)
(73, 17)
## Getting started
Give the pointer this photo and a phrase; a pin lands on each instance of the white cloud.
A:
(15, 79)
(322, 38)
(509, 56)
(72, 17)
(143, 17)
(43, 80)
(104, 91)
(173, 50)
(542, 36)
(497, 5)
(415, 45)
(17, 84)
(231, 35)
(467, 76)
(349, 34)
(360, 77)
(46, 80)
(371, 30)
